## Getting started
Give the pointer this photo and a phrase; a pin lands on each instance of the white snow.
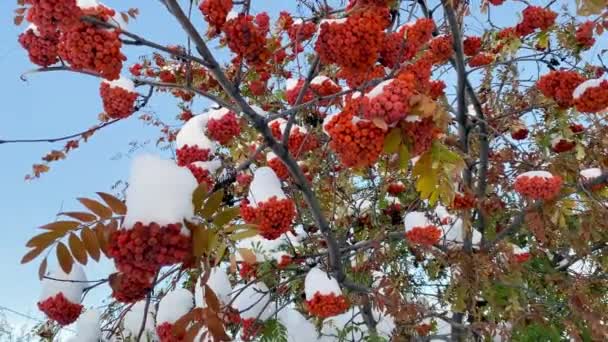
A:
(251, 300)
(356, 95)
(71, 289)
(413, 118)
(87, 4)
(333, 21)
(319, 80)
(281, 122)
(471, 110)
(299, 329)
(291, 83)
(377, 90)
(415, 219)
(556, 139)
(159, 191)
(320, 281)
(591, 173)
(174, 305)
(259, 110)
(532, 174)
(134, 319)
(353, 318)
(212, 166)
(218, 282)
(88, 328)
(298, 22)
(294, 128)
(217, 113)
(326, 121)
(580, 90)
(34, 28)
(265, 184)
(232, 15)
(268, 249)
(123, 83)
(518, 250)
(192, 133)
(453, 233)
(270, 156)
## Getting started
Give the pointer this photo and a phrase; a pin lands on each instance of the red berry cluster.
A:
(127, 288)
(248, 271)
(355, 42)
(326, 88)
(441, 49)
(521, 257)
(279, 168)
(395, 189)
(187, 155)
(251, 329)
(562, 145)
(463, 201)
(357, 142)
(202, 175)
(165, 333)
(328, 305)
(471, 45)
(355, 78)
(285, 261)
(426, 236)
(299, 33)
(421, 134)
(593, 99)
(41, 48)
(535, 17)
(143, 249)
(519, 131)
(584, 35)
(559, 85)
(224, 129)
(59, 309)
(118, 102)
(496, 2)
(215, 12)
(416, 36)
(273, 216)
(481, 59)
(89, 47)
(392, 103)
(247, 39)
(539, 188)
(244, 179)
(291, 95)
(51, 15)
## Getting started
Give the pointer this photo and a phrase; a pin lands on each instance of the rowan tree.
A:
(373, 170)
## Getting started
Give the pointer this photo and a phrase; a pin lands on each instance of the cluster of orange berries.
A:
(248, 271)
(559, 85)
(538, 188)
(273, 216)
(393, 102)
(535, 17)
(299, 33)
(143, 249)
(128, 288)
(291, 94)
(421, 134)
(245, 35)
(165, 333)
(584, 35)
(463, 201)
(355, 42)
(481, 59)
(224, 129)
(59, 309)
(471, 45)
(215, 12)
(202, 175)
(326, 87)
(279, 168)
(251, 329)
(355, 78)
(51, 15)
(395, 189)
(426, 236)
(357, 142)
(441, 49)
(41, 48)
(593, 99)
(187, 155)
(328, 305)
(117, 102)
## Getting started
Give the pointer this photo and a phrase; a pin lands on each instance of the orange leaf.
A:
(18, 20)
(61, 226)
(211, 299)
(248, 256)
(90, 243)
(102, 237)
(82, 216)
(64, 258)
(45, 239)
(216, 328)
(97, 208)
(114, 203)
(193, 331)
(42, 269)
(77, 249)
(31, 255)
(380, 123)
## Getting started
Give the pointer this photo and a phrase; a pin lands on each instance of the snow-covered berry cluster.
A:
(538, 185)
(223, 125)
(426, 236)
(559, 85)
(61, 295)
(292, 90)
(533, 18)
(41, 48)
(59, 309)
(118, 97)
(389, 100)
(324, 297)
(591, 96)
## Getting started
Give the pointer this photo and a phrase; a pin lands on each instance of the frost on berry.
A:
(41, 48)
(118, 98)
(559, 85)
(538, 185)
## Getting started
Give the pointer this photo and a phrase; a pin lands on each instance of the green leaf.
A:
(225, 216)
(212, 204)
(200, 240)
(243, 234)
(404, 157)
(392, 140)
(273, 331)
(198, 196)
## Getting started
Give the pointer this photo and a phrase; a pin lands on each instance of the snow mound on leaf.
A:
(580, 90)
(192, 133)
(591, 173)
(299, 329)
(134, 319)
(218, 282)
(415, 219)
(531, 174)
(71, 289)
(212, 166)
(265, 184)
(88, 328)
(251, 300)
(320, 281)
(123, 83)
(174, 305)
(159, 191)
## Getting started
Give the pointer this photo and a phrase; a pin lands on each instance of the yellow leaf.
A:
(243, 234)
(198, 196)
(404, 157)
(61, 226)
(225, 216)
(45, 239)
(200, 240)
(392, 140)
(247, 255)
(212, 204)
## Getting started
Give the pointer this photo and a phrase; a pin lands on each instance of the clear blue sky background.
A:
(57, 104)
